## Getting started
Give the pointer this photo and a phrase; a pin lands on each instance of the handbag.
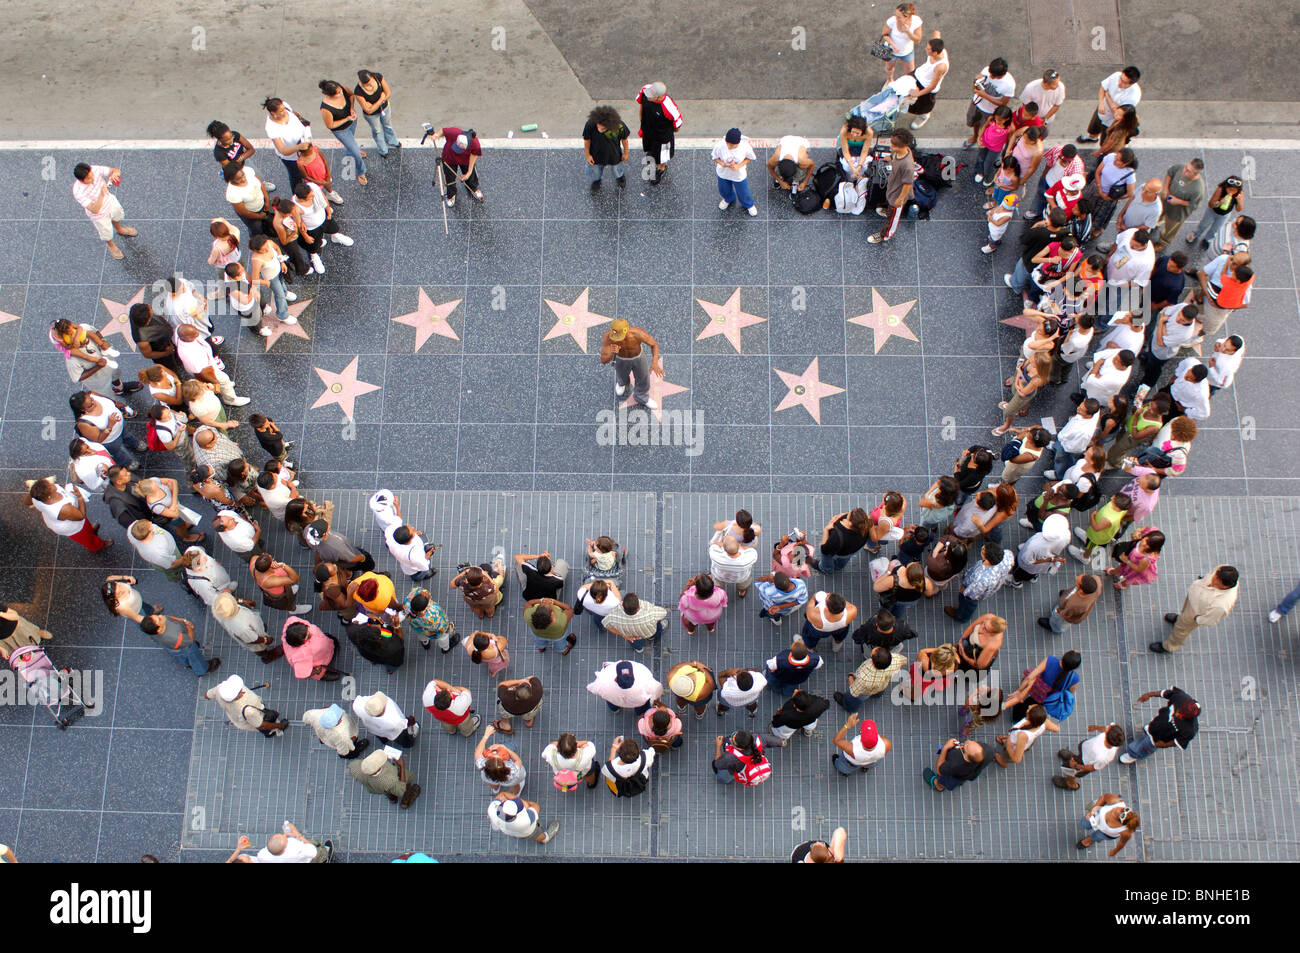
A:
(882, 50)
(1120, 188)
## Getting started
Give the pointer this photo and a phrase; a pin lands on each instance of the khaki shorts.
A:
(528, 716)
(104, 225)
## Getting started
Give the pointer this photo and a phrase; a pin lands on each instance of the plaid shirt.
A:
(869, 680)
(643, 625)
(981, 581)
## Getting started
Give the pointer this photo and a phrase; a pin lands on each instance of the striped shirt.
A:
(643, 625)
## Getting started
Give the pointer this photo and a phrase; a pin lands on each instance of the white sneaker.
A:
(303, 608)
(808, 730)
(918, 123)
(240, 401)
(451, 202)
(270, 186)
(264, 331)
(324, 241)
(112, 365)
(620, 390)
(112, 352)
(290, 320)
(341, 239)
(753, 210)
(1078, 554)
(290, 296)
(317, 265)
(1049, 474)
(1078, 531)
(837, 647)
(651, 404)
(989, 249)
(1006, 280)
(979, 179)
(1275, 616)
(268, 309)
(1024, 521)
(723, 205)
(335, 197)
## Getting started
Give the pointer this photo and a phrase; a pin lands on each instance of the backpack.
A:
(620, 786)
(851, 197)
(806, 201)
(924, 196)
(1091, 498)
(826, 180)
(151, 438)
(932, 170)
(757, 768)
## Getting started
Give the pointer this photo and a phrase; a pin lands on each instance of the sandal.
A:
(502, 728)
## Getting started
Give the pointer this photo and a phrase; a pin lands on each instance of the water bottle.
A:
(286, 826)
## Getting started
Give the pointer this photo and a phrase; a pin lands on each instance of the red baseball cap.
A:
(869, 735)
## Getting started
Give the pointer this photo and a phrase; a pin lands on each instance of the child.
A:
(1005, 182)
(993, 136)
(911, 548)
(602, 555)
(1103, 526)
(225, 245)
(270, 437)
(1225, 200)
(983, 706)
(1093, 755)
(1074, 346)
(314, 167)
(243, 300)
(1026, 115)
(1000, 216)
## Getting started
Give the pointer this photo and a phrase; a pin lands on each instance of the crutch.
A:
(442, 186)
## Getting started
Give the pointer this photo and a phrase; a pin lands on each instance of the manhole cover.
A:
(1075, 33)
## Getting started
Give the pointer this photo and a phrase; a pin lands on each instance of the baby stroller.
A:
(50, 686)
(881, 110)
(614, 574)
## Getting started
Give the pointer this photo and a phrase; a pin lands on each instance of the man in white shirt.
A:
(287, 848)
(1190, 389)
(1127, 331)
(1108, 375)
(731, 158)
(246, 627)
(1072, 439)
(157, 547)
(731, 562)
(199, 359)
(1048, 93)
(1132, 260)
(1224, 362)
(1118, 89)
(1177, 327)
(1094, 754)
(866, 748)
(740, 688)
(101, 206)
(626, 684)
(411, 552)
(240, 535)
(519, 818)
(993, 87)
(380, 716)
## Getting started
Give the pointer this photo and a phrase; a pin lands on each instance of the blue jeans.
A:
(899, 609)
(1039, 203)
(724, 777)
(349, 141)
(123, 450)
(851, 704)
(1210, 221)
(295, 176)
(812, 635)
(1056, 621)
(594, 172)
(1020, 277)
(1062, 459)
(844, 766)
(279, 293)
(829, 563)
(784, 689)
(192, 658)
(735, 192)
(1289, 603)
(639, 709)
(381, 127)
(1141, 747)
(987, 162)
(966, 607)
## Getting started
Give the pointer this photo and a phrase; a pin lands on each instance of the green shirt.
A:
(559, 622)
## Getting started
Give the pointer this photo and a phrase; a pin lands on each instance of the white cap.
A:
(229, 690)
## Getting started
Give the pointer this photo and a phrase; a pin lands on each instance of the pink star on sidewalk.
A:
(119, 321)
(6, 317)
(429, 319)
(806, 390)
(279, 329)
(659, 389)
(886, 320)
(343, 389)
(574, 320)
(727, 319)
(1021, 321)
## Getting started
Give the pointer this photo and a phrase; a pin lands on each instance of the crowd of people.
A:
(1139, 394)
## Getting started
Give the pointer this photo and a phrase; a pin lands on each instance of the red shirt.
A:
(1019, 120)
(450, 155)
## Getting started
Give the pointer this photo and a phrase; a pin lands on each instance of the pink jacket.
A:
(317, 650)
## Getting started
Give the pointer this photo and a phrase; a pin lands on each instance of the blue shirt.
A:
(981, 581)
(771, 596)
(1165, 285)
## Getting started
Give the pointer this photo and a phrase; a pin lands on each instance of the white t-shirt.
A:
(598, 609)
(737, 153)
(159, 550)
(243, 537)
(732, 695)
(1127, 264)
(579, 764)
(1006, 86)
(1223, 367)
(410, 556)
(188, 306)
(523, 824)
(1076, 344)
(864, 756)
(313, 216)
(196, 355)
(67, 495)
(1129, 96)
(1176, 335)
(903, 42)
(92, 468)
(276, 498)
(1077, 433)
(963, 524)
(1122, 335)
(1047, 99)
(737, 569)
(295, 852)
(617, 767)
(291, 131)
(250, 193)
(1110, 381)
(1195, 398)
(460, 701)
(789, 146)
(1096, 753)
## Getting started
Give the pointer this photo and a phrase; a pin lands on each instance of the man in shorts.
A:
(102, 207)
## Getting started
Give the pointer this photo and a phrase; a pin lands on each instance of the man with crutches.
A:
(460, 154)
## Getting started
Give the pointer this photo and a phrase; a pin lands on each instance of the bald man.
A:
(288, 848)
(626, 346)
(196, 354)
(731, 562)
(1145, 209)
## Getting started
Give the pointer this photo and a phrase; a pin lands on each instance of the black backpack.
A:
(932, 170)
(826, 180)
(806, 201)
(629, 787)
(1090, 498)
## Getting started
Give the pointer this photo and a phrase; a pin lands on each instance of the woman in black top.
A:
(340, 119)
(902, 586)
(842, 538)
(232, 146)
(970, 470)
(945, 563)
(372, 95)
(820, 852)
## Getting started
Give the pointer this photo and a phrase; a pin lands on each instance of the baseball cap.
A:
(1073, 182)
(461, 143)
(511, 808)
(229, 690)
(618, 329)
(1189, 710)
(623, 675)
(869, 735)
(316, 530)
(331, 716)
(1010, 200)
(733, 136)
